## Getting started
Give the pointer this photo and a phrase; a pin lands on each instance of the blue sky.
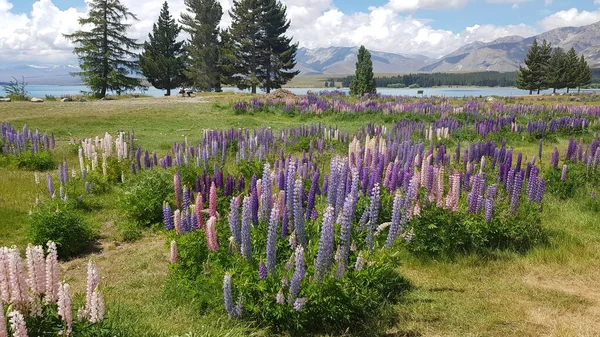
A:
(32, 30)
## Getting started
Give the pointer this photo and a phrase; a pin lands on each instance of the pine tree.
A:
(106, 54)
(557, 68)
(263, 55)
(204, 47)
(279, 57)
(364, 81)
(533, 75)
(572, 74)
(162, 61)
(584, 73)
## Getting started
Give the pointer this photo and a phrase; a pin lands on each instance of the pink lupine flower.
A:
(36, 269)
(173, 256)
(51, 273)
(65, 310)
(3, 332)
(92, 283)
(177, 221)
(211, 234)
(212, 201)
(97, 308)
(17, 280)
(17, 324)
(199, 207)
(4, 278)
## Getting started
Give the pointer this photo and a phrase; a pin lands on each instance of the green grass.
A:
(552, 290)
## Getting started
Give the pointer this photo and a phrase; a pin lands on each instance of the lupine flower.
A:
(280, 298)
(227, 295)
(97, 310)
(395, 225)
(65, 310)
(177, 188)
(299, 303)
(254, 200)
(92, 283)
(168, 216)
(211, 234)
(272, 242)
(36, 269)
(199, 207)
(554, 159)
(563, 175)
(262, 271)
(298, 212)
(299, 274)
(246, 245)
(267, 191)
(345, 220)
(177, 222)
(212, 201)
(50, 185)
(17, 324)
(239, 307)
(3, 331)
(173, 256)
(17, 280)
(489, 209)
(360, 261)
(51, 273)
(516, 193)
(234, 220)
(325, 253)
(373, 216)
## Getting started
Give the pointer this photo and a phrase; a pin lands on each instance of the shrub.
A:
(41, 161)
(439, 232)
(58, 221)
(577, 177)
(143, 196)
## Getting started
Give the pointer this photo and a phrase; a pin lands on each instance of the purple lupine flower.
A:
(299, 274)
(50, 185)
(489, 209)
(563, 175)
(280, 298)
(168, 216)
(396, 216)
(267, 191)
(310, 202)
(298, 212)
(234, 220)
(360, 261)
(373, 216)
(227, 296)
(554, 159)
(272, 242)
(325, 252)
(516, 193)
(262, 271)
(299, 303)
(540, 190)
(345, 220)
(246, 245)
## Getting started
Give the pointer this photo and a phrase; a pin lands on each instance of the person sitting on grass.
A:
(182, 92)
(189, 92)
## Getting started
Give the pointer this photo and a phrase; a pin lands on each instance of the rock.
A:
(7, 99)
(66, 99)
(83, 100)
(37, 100)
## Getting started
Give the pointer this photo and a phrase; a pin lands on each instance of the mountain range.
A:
(504, 55)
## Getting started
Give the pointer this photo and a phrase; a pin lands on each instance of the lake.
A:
(58, 91)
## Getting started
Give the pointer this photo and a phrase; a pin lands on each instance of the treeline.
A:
(252, 53)
(479, 79)
(553, 68)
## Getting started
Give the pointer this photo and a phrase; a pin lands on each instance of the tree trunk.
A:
(578, 89)
(254, 88)
(530, 92)
(538, 91)
(168, 92)
(567, 90)
(554, 91)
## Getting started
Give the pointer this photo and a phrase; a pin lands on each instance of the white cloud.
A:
(549, 2)
(514, 2)
(569, 18)
(36, 37)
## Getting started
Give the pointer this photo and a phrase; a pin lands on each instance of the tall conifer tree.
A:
(557, 68)
(585, 74)
(162, 61)
(572, 73)
(364, 81)
(204, 48)
(106, 54)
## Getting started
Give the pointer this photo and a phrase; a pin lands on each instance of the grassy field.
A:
(553, 290)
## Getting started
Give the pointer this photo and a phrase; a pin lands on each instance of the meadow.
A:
(529, 268)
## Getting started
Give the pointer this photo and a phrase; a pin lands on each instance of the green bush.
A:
(143, 196)
(577, 177)
(41, 161)
(439, 232)
(334, 306)
(59, 221)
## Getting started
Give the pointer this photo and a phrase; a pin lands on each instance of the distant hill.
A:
(342, 60)
(40, 74)
(507, 53)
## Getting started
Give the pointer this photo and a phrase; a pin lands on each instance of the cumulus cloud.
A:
(569, 18)
(37, 36)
